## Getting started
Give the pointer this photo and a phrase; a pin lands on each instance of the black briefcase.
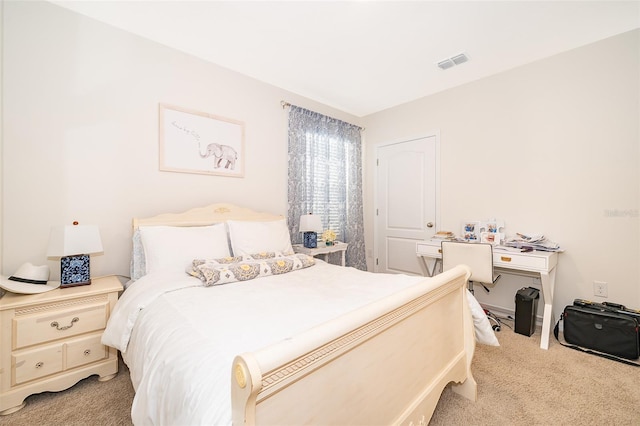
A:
(604, 327)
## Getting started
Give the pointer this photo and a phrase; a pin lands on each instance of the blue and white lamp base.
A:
(310, 239)
(74, 271)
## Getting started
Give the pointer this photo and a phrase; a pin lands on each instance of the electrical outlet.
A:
(600, 288)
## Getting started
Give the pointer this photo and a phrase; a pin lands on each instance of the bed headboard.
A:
(208, 215)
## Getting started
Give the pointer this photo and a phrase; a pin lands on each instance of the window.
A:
(325, 192)
(325, 178)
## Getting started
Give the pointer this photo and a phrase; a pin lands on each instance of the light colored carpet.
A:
(521, 384)
(518, 384)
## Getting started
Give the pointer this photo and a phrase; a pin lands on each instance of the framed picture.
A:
(471, 230)
(492, 225)
(198, 142)
(493, 238)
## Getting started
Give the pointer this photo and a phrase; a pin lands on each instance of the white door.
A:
(407, 175)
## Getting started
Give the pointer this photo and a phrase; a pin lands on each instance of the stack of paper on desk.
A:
(535, 242)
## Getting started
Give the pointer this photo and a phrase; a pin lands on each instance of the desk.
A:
(540, 264)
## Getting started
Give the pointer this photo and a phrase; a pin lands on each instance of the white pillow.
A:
(173, 248)
(256, 237)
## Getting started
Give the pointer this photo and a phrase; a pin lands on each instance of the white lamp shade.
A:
(71, 240)
(310, 223)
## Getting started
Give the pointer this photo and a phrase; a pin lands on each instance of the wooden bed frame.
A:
(386, 363)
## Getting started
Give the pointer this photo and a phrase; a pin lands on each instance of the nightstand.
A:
(50, 341)
(323, 249)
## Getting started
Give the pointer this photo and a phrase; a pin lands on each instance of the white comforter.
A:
(179, 338)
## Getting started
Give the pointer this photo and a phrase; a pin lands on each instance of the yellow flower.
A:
(329, 235)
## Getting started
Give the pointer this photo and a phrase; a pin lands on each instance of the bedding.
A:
(240, 300)
(169, 326)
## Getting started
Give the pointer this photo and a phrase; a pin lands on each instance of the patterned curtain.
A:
(325, 178)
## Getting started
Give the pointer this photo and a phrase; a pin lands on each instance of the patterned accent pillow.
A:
(266, 255)
(195, 272)
(215, 273)
(220, 261)
(138, 267)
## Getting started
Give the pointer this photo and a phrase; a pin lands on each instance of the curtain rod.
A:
(287, 104)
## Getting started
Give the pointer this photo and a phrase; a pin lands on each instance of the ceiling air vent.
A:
(460, 59)
(445, 64)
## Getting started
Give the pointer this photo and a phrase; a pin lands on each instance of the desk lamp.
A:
(73, 244)
(310, 225)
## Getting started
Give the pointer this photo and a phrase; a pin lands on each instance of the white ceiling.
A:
(365, 56)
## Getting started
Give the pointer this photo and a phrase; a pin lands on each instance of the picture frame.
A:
(471, 230)
(493, 238)
(492, 225)
(198, 142)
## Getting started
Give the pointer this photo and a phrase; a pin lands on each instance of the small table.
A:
(323, 249)
(50, 341)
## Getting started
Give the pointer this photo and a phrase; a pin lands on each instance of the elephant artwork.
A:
(223, 155)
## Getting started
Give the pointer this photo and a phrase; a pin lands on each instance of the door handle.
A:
(429, 224)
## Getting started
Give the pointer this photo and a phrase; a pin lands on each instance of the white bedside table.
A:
(323, 249)
(50, 341)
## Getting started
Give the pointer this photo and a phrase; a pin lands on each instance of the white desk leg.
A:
(548, 284)
(343, 257)
(437, 262)
(425, 264)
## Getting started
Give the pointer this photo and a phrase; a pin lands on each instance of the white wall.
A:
(551, 147)
(80, 134)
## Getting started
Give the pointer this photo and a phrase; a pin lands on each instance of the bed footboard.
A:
(386, 363)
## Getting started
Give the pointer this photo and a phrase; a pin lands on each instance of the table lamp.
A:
(310, 225)
(73, 244)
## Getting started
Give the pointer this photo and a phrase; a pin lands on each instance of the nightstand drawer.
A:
(30, 365)
(49, 326)
(85, 350)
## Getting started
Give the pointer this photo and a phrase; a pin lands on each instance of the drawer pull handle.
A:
(87, 352)
(39, 364)
(505, 259)
(57, 326)
(439, 250)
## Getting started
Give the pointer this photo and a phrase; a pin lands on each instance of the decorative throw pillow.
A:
(212, 272)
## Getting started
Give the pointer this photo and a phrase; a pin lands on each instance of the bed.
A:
(299, 342)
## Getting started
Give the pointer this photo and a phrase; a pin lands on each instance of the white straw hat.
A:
(29, 279)
(31, 274)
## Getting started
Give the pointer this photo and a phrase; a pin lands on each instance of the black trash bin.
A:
(526, 308)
